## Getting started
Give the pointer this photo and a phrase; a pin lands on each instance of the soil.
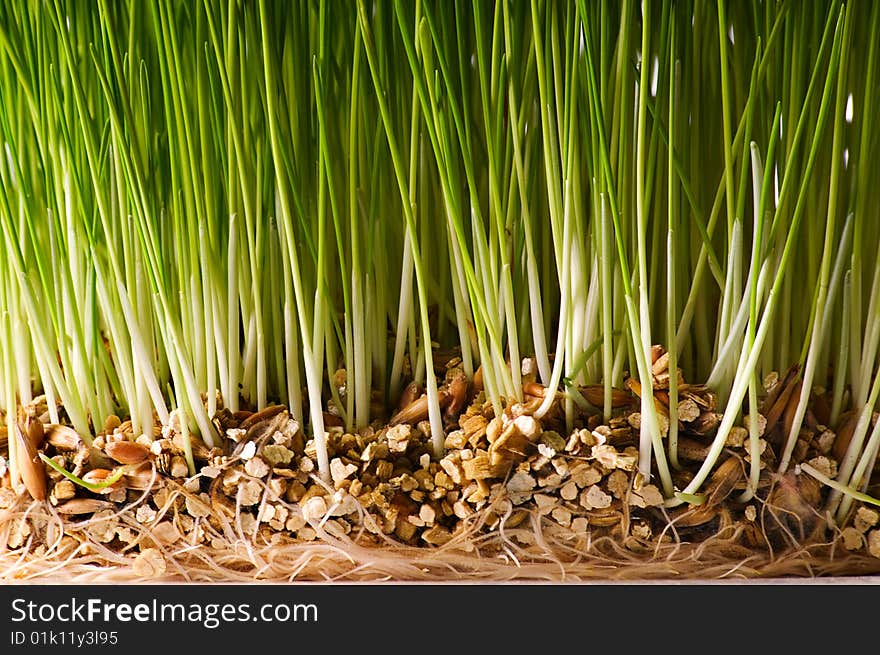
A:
(514, 498)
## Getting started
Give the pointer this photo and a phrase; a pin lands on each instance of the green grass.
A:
(236, 203)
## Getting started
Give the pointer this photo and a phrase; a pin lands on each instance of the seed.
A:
(478, 379)
(99, 476)
(660, 360)
(705, 424)
(437, 536)
(410, 394)
(844, 434)
(773, 411)
(417, 410)
(62, 437)
(35, 432)
(127, 452)
(30, 467)
(262, 415)
(332, 420)
(83, 506)
(534, 389)
(61, 491)
(791, 408)
(690, 517)
(636, 387)
(457, 386)
(774, 385)
(692, 450)
(595, 395)
(793, 501)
